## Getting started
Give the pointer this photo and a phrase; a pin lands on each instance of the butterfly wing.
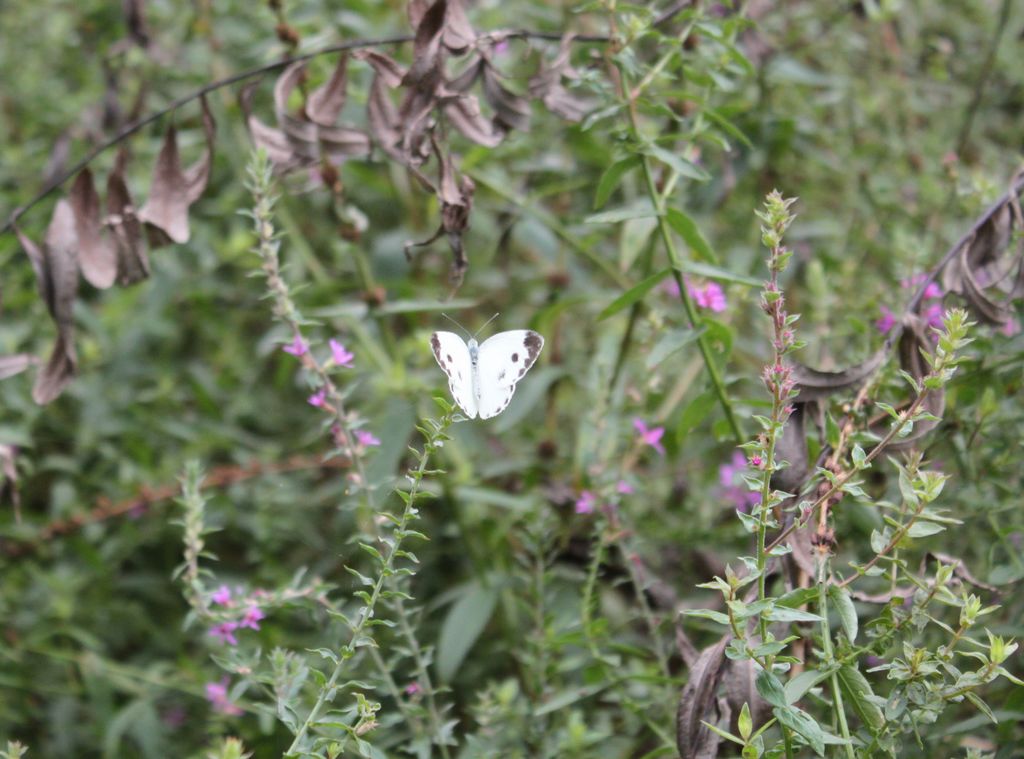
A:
(503, 360)
(452, 355)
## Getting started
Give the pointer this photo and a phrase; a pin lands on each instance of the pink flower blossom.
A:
(887, 321)
(222, 596)
(297, 347)
(934, 315)
(671, 287)
(366, 438)
(711, 296)
(734, 488)
(624, 488)
(252, 618)
(317, 399)
(225, 632)
(217, 694)
(585, 503)
(413, 689)
(341, 356)
(650, 436)
(1011, 328)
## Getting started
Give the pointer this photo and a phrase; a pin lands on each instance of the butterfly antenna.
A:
(453, 321)
(485, 324)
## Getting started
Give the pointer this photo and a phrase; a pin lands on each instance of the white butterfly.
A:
(482, 378)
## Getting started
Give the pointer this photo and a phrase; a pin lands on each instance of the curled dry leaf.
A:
(306, 136)
(16, 364)
(984, 269)
(458, 35)
(547, 85)
(739, 686)
(511, 111)
(174, 189)
(132, 261)
(814, 385)
(135, 20)
(97, 253)
(913, 340)
(792, 448)
(312, 132)
(699, 701)
(56, 271)
(426, 73)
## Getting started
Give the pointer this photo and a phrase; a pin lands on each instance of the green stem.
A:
(366, 613)
(676, 261)
(826, 646)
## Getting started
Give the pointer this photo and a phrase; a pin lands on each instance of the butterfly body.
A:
(483, 376)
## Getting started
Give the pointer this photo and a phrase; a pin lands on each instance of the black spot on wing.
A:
(435, 345)
(501, 376)
(515, 358)
(449, 357)
(533, 343)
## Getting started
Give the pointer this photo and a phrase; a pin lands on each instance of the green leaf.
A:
(633, 294)
(611, 177)
(716, 272)
(462, 626)
(784, 614)
(922, 529)
(695, 412)
(798, 686)
(857, 692)
(687, 228)
(770, 688)
(843, 603)
(683, 166)
(615, 215)
(675, 340)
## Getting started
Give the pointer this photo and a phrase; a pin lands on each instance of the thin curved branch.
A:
(145, 121)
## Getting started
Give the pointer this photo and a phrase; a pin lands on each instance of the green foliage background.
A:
(895, 123)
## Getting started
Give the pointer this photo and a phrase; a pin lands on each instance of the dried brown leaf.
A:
(739, 685)
(325, 102)
(132, 260)
(427, 69)
(814, 384)
(510, 110)
(458, 32)
(463, 112)
(547, 86)
(135, 20)
(913, 340)
(174, 189)
(97, 253)
(60, 270)
(792, 448)
(699, 701)
(277, 146)
(15, 364)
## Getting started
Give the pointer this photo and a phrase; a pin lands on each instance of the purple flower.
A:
(711, 296)
(341, 356)
(1011, 328)
(934, 314)
(413, 689)
(297, 347)
(252, 618)
(225, 632)
(650, 436)
(585, 503)
(217, 694)
(734, 488)
(366, 438)
(671, 287)
(886, 322)
(624, 488)
(222, 596)
(317, 399)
